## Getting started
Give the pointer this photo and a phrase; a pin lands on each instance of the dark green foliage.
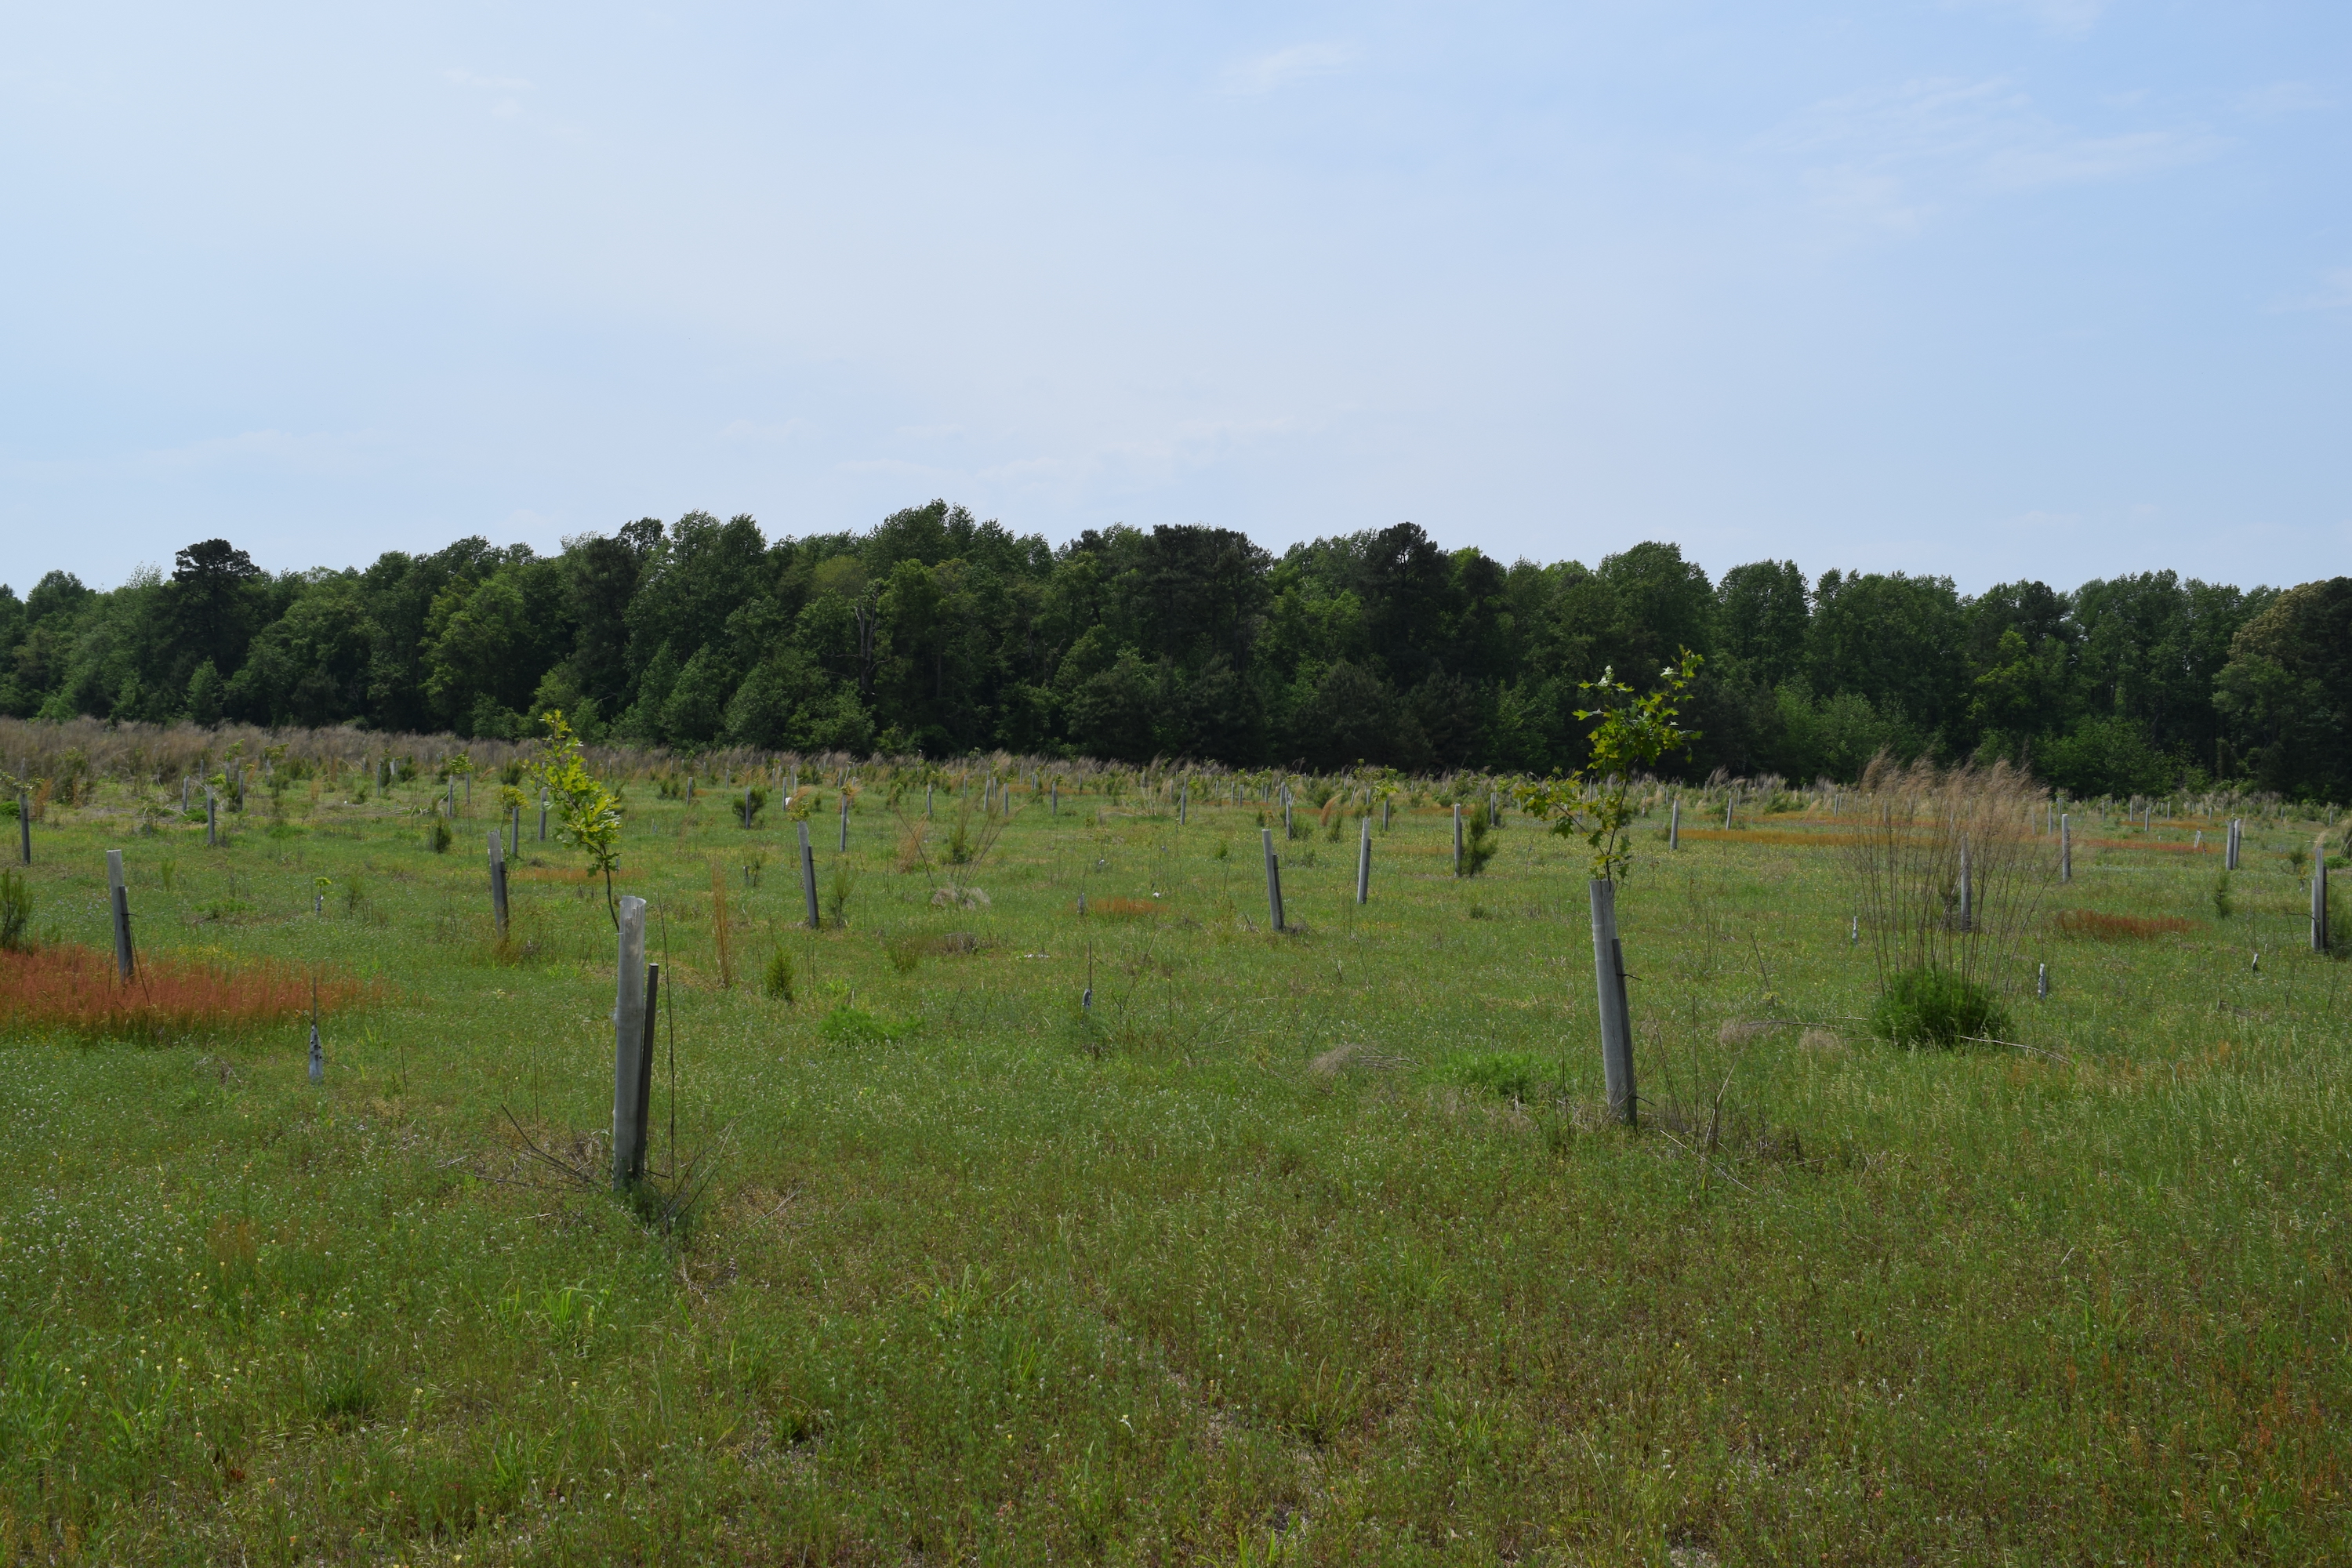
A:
(1936, 1007)
(940, 632)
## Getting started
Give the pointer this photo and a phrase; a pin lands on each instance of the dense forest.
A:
(939, 633)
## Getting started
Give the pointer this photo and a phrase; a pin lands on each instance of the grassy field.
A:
(1303, 1248)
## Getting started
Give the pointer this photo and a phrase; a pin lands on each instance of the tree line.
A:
(939, 633)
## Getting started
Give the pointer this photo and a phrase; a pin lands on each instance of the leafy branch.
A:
(589, 814)
(1632, 734)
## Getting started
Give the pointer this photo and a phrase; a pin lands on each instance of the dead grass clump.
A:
(1340, 1058)
(1122, 909)
(75, 987)
(2099, 927)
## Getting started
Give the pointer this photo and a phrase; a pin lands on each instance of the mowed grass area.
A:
(1301, 1249)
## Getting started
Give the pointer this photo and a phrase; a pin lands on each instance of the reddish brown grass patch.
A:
(1823, 840)
(1122, 909)
(2120, 928)
(74, 987)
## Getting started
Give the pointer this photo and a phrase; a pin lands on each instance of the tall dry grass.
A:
(1907, 827)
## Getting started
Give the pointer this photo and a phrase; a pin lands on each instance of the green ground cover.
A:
(1306, 1247)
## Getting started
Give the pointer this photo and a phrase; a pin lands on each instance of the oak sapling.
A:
(1632, 734)
(588, 813)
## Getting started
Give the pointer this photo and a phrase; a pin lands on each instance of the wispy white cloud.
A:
(1264, 73)
(2282, 97)
(507, 89)
(752, 431)
(2334, 294)
(487, 84)
(2064, 19)
(1892, 158)
(340, 452)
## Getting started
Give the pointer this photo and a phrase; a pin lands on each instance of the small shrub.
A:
(438, 837)
(747, 807)
(837, 894)
(777, 981)
(1478, 844)
(1509, 1075)
(15, 910)
(1936, 1007)
(2222, 906)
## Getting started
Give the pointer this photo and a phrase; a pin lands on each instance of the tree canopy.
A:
(940, 632)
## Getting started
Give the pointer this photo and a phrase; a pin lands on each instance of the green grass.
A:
(1297, 1249)
(1935, 1007)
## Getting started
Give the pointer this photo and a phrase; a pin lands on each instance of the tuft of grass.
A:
(1928, 1006)
(847, 1025)
(1510, 1074)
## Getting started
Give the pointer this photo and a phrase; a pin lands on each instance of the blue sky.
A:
(2050, 289)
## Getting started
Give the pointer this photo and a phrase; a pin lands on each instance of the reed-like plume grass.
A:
(1947, 867)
